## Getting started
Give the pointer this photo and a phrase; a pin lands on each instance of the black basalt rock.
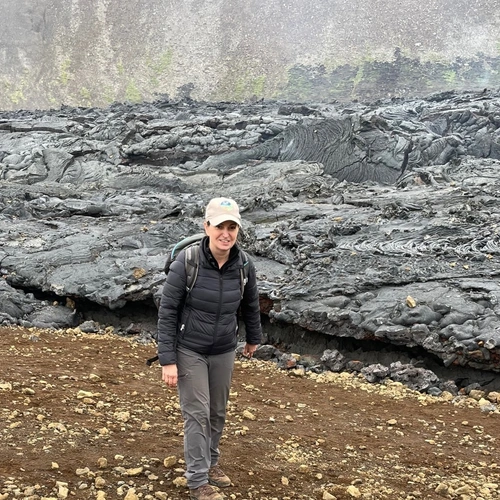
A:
(377, 223)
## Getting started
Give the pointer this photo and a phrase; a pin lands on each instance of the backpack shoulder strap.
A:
(192, 264)
(244, 271)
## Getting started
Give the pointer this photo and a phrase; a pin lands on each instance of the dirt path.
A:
(82, 416)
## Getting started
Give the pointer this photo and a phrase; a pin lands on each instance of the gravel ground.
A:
(83, 417)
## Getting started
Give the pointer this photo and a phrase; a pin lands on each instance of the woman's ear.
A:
(206, 225)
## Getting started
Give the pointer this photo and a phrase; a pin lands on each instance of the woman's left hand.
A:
(249, 349)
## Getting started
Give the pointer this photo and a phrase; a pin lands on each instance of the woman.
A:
(197, 337)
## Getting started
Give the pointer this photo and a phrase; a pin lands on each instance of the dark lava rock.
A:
(378, 223)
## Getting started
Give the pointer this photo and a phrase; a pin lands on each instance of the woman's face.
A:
(223, 236)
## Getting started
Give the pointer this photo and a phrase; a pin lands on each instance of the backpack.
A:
(191, 244)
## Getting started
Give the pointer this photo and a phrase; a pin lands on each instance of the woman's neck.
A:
(220, 257)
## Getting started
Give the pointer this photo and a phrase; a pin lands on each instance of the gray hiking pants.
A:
(203, 385)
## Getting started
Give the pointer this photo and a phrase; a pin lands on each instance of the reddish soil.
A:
(82, 416)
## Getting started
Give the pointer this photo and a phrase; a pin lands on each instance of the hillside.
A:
(80, 53)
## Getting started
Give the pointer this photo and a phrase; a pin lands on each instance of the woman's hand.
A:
(169, 375)
(249, 349)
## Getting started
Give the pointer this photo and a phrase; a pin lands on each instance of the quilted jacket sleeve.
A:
(171, 305)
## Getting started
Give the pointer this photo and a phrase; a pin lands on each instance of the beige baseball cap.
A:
(222, 209)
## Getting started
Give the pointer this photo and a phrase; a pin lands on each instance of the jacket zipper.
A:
(221, 283)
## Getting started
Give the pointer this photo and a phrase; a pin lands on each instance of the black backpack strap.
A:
(244, 271)
(192, 264)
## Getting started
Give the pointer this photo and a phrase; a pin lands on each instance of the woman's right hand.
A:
(169, 375)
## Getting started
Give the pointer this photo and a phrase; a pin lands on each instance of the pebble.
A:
(131, 495)
(353, 492)
(135, 471)
(170, 461)
(328, 496)
(62, 489)
(248, 415)
(180, 482)
(99, 482)
(122, 416)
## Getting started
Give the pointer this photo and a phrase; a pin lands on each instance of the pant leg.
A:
(220, 372)
(194, 398)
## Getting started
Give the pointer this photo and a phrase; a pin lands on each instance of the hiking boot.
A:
(204, 492)
(217, 477)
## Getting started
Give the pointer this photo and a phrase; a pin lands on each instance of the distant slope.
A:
(80, 53)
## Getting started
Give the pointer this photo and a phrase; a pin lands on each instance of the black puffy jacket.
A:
(206, 320)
